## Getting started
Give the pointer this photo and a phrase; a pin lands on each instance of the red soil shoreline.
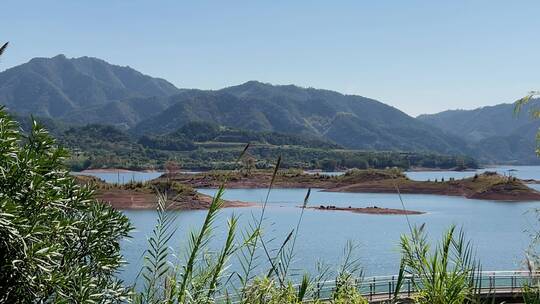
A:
(134, 200)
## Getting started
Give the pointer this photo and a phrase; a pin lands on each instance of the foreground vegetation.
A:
(57, 243)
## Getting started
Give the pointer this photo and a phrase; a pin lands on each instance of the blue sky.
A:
(419, 56)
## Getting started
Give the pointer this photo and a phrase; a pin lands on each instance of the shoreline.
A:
(373, 210)
(133, 200)
(487, 186)
(108, 170)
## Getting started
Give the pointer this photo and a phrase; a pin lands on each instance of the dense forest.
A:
(205, 146)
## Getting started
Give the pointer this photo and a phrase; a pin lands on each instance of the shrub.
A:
(56, 242)
(444, 275)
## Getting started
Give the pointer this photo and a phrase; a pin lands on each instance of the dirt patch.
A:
(138, 200)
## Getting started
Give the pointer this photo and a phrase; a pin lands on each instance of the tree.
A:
(57, 243)
(248, 163)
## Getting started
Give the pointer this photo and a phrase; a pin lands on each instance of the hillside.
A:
(204, 146)
(494, 133)
(89, 91)
(351, 121)
(56, 87)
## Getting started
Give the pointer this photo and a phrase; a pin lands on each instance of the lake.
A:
(522, 172)
(498, 230)
(122, 177)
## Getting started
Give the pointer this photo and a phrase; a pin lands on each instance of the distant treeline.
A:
(205, 146)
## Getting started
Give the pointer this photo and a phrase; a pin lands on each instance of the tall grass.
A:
(444, 275)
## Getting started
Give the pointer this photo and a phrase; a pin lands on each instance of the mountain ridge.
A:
(52, 87)
(87, 90)
(494, 132)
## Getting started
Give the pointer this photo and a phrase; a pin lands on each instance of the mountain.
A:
(351, 121)
(495, 133)
(56, 87)
(89, 91)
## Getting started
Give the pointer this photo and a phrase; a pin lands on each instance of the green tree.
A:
(57, 243)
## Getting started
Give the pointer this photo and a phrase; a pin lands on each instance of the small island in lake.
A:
(138, 195)
(368, 210)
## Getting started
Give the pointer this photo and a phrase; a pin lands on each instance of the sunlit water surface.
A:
(499, 230)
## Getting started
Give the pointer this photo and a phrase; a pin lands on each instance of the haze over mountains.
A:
(89, 90)
(495, 132)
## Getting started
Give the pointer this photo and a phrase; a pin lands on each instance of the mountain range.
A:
(80, 91)
(495, 133)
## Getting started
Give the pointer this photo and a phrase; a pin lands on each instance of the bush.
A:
(57, 244)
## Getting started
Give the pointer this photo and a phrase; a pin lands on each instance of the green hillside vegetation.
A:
(353, 122)
(204, 146)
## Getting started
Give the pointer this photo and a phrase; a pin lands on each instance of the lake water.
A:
(522, 172)
(497, 229)
(122, 177)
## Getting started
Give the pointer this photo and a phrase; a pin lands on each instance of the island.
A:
(139, 195)
(487, 186)
(368, 210)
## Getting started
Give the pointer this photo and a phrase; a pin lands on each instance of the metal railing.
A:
(384, 287)
(380, 288)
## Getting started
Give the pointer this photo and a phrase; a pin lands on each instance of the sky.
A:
(418, 56)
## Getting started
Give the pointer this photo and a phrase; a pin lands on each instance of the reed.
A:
(444, 275)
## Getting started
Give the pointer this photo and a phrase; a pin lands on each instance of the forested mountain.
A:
(88, 91)
(56, 87)
(351, 121)
(495, 133)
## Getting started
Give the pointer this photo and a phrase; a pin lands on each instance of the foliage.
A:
(264, 290)
(531, 289)
(57, 243)
(102, 146)
(177, 143)
(444, 275)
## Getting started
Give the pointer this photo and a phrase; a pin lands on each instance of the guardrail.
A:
(384, 287)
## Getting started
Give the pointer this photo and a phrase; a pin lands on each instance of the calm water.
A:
(522, 172)
(498, 229)
(122, 177)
